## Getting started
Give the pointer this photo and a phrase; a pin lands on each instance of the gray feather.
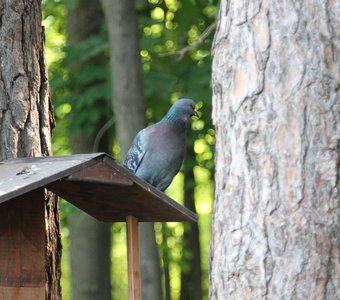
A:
(157, 151)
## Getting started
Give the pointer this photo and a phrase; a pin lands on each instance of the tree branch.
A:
(100, 134)
(181, 52)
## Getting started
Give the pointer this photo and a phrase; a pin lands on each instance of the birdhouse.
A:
(92, 182)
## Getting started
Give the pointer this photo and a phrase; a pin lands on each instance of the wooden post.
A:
(134, 274)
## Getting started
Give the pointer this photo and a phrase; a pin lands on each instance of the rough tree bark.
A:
(276, 110)
(129, 113)
(26, 113)
(90, 267)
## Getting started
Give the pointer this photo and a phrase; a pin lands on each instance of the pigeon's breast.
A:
(163, 158)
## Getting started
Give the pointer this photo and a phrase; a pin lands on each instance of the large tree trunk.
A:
(129, 112)
(276, 110)
(90, 267)
(26, 114)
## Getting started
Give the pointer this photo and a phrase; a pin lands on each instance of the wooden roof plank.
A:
(95, 184)
(19, 176)
(113, 203)
(101, 173)
(150, 190)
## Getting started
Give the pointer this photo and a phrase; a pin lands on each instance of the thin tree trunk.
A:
(90, 257)
(90, 245)
(276, 110)
(90, 240)
(191, 275)
(166, 265)
(26, 113)
(129, 112)
(128, 98)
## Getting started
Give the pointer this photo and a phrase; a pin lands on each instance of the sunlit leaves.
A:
(63, 110)
(210, 10)
(155, 1)
(200, 146)
(197, 125)
(157, 14)
(119, 258)
(54, 14)
(173, 5)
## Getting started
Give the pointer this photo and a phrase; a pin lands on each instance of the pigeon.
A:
(157, 151)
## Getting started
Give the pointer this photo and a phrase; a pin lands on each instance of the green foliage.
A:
(78, 80)
(176, 63)
(85, 84)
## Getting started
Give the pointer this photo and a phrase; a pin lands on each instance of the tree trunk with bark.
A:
(276, 109)
(26, 112)
(129, 113)
(90, 240)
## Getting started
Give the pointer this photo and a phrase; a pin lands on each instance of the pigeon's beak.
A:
(193, 111)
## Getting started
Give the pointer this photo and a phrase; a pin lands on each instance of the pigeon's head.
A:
(181, 111)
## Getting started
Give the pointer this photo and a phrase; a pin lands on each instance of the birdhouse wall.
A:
(22, 247)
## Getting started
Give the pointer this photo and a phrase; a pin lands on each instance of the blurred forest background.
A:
(175, 54)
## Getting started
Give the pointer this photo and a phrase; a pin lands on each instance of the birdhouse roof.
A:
(95, 183)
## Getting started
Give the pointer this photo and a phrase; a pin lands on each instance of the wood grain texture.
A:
(112, 198)
(21, 175)
(276, 109)
(134, 271)
(22, 293)
(22, 247)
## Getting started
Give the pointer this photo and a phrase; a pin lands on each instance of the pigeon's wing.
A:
(136, 153)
